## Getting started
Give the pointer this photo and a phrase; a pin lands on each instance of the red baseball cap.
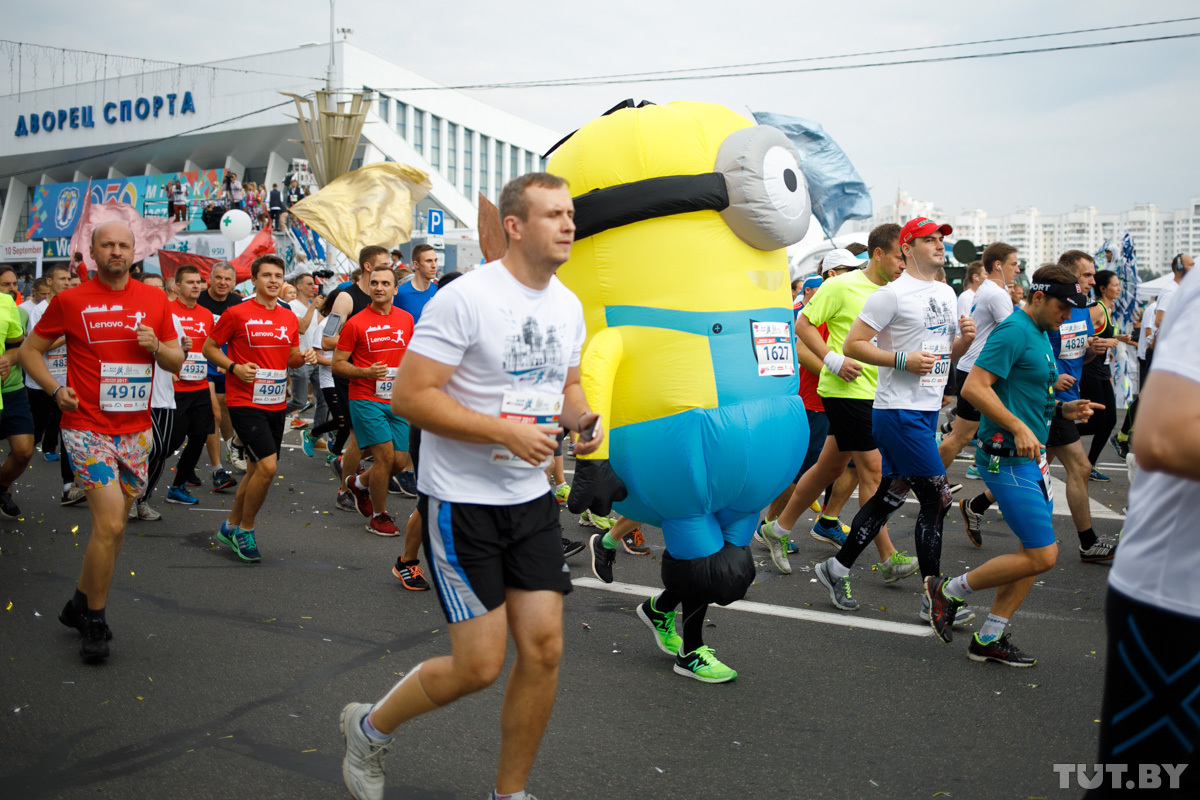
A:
(921, 226)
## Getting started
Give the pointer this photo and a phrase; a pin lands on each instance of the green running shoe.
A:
(703, 666)
(588, 519)
(245, 546)
(663, 625)
(898, 566)
(562, 493)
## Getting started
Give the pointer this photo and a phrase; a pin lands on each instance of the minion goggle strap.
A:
(757, 187)
(627, 203)
(1069, 293)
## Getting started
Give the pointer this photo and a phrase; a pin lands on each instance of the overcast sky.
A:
(1107, 127)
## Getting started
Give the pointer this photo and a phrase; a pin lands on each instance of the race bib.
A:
(531, 409)
(383, 387)
(125, 387)
(1044, 466)
(270, 387)
(941, 368)
(1074, 340)
(773, 348)
(195, 368)
(56, 360)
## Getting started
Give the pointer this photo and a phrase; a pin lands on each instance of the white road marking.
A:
(1060, 501)
(805, 614)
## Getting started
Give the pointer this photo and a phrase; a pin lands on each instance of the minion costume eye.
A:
(756, 185)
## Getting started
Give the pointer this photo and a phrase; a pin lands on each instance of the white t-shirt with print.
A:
(162, 387)
(52, 356)
(1166, 297)
(501, 337)
(966, 300)
(910, 315)
(1159, 556)
(1147, 323)
(992, 306)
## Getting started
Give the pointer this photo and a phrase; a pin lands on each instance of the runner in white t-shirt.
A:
(993, 303)
(913, 320)
(1152, 676)
(496, 349)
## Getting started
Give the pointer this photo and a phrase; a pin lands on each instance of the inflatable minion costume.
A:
(683, 211)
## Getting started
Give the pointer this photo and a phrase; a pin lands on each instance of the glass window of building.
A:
(468, 160)
(528, 161)
(418, 140)
(514, 161)
(498, 147)
(484, 165)
(381, 104)
(401, 122)
(541, 165)
(452, 152)
(435, 142)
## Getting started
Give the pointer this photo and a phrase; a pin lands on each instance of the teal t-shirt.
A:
(1019, 354)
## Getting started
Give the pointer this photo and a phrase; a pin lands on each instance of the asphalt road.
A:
(226, 679)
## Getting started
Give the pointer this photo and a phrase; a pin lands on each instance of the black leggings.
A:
(1098, 390)
(933, 493)
(1145, 644)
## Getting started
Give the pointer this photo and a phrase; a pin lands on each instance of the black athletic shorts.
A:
(963, 407)
(217, 381)
(414, 446)
(195, 403)
(476, 552)
(17, 417)
(850, 423)
(1062, 432)
(954, 380)
(259, 430)
(1150, 678)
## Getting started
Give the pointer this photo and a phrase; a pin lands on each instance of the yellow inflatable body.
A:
(683, 211)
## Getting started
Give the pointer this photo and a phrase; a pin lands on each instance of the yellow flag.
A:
(371, 205)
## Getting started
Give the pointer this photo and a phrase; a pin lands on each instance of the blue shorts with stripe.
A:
(476, 552)
(1023, 499)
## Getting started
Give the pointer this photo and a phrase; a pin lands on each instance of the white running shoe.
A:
(777, 544)
(362, 768)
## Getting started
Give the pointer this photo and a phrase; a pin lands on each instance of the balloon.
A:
(236, 225)
(683, 213)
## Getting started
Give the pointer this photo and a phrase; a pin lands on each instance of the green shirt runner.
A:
(837, 304)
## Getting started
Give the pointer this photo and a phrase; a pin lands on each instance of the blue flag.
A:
(837, 191)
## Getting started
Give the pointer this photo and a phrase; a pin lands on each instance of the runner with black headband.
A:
(1013, 385)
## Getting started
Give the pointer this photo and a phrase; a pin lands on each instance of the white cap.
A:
(840, 258)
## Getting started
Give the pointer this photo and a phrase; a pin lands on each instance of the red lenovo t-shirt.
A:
(808, 381)
(263, 337)
(110, 373)
(197, 324)
(370, 338)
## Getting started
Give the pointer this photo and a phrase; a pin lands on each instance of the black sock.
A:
(666, 602)
(3, 489)
(97, 614)
(827, 522)
(1087, 538)
(693, 625)
(828, 494)
(79, 601)
(980, 503)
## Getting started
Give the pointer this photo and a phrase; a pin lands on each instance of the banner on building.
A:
(55, 209)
